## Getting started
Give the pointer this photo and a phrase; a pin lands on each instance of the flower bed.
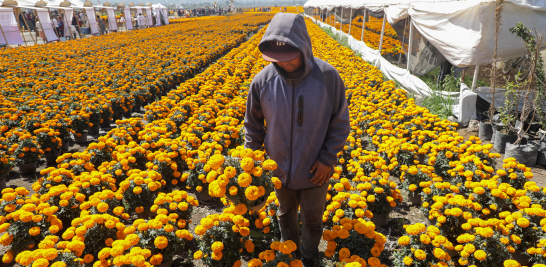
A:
(192, 140)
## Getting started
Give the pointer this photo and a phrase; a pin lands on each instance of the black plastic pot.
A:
(501, 139)
(486, 131)
(525, 154)
(541, 158)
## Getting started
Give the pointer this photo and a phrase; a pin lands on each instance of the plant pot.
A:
(380, 220)
(452, 253)
(51, 157)
(520, 257)
(105, 123)
(81, 139)
(64, 147)
(259, 206)
(415, 200)
(204, 194)
(136, 108)
(496, 128)
(486, 131)
(501, 139)
(95, 129)
(146, 214)
(3, 182)
(165, 263)
(28, 168)
(525, 154)
(117, 117)
(541, 158)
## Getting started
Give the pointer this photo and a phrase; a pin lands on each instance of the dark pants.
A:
(61, 31)
(311, 203)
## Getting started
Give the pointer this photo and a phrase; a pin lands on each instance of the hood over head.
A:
(291, 29)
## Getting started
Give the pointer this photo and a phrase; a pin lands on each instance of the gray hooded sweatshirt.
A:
(307, 117)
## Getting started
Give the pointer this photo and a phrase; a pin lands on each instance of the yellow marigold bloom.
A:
(404, 240)
(480, 255)
(408, 261)
(198, 254)
(269, 165)
(523, 222)
(244, 179)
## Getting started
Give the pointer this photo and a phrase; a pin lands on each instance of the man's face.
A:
(292, 65)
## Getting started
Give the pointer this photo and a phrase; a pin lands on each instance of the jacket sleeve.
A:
(338, 128)
(254, 119)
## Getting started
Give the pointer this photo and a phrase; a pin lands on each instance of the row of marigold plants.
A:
(193, 141)
(46, 101)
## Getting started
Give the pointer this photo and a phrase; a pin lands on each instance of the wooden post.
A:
(69, 29)
(19, 26)
(41, 25)
(4, 35)
(410, 45)
(475, 79)
(350, 21)
(382, 34)
(341, 20)
(31, 37)
(54, 28)
(363, 24)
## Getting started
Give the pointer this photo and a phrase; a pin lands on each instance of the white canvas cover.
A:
(165, 15)
(67, 17)
(463, 31)
(45, 21)
(9, 27)
(128, 18)
(157, 16)
(149, 20)
(112, 19)
(90, 13)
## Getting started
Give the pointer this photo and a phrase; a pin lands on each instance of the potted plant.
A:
(27, 152)
(49, 141)
(79, 125)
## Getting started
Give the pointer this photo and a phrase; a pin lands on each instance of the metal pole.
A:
(382, 34)
(410, 45)
(4, 35)
(341, 20)
(475, 79)
(350, 20)
(403, 39)
(363, 25)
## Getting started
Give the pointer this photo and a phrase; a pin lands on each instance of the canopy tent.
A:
(165, 15)
(462, 32)
(45, 21)
(9, 27)
(112, 24)
(128, 18)
(149, 20)
(90, 14)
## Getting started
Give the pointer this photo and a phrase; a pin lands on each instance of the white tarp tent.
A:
(128, 18)
(461, 30)
(112, 24)
(165, 15)
(90, 14)
(149, 20)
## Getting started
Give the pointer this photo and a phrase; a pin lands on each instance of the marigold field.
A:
(127, 199)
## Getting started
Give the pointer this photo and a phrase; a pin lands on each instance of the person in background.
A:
(55, 25)
(75, 25)
(40, 31)
(60, 26)
(141, 21)
(102, 25)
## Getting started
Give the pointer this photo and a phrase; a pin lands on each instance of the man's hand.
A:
(322, 173)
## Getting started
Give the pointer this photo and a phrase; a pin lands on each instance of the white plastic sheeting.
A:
(10, 28)
(408, 81)
(149, 19)
(165, 15)
(47, 27)
(128, 18)
(112, 23)
(463, 31)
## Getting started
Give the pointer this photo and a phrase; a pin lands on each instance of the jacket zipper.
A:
(300, 110)
(291, 133)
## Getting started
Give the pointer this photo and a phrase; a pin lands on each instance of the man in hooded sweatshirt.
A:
(302, 98)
